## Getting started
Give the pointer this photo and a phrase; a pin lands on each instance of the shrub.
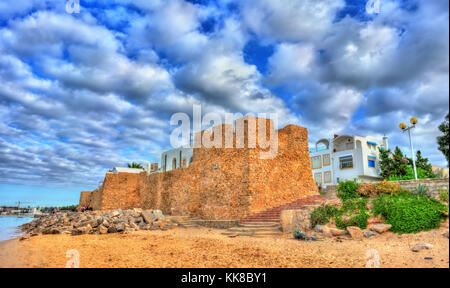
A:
(421, 174)
(410, 213)
(347, 190)
(379, 188)
(322, 215)
(443, 193)
(422, 190)
(360, 220)
(353, 213)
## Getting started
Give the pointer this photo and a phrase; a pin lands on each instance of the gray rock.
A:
(115, 213)
(112, 229)
(82, 230)
(120, 227)
(381, 228)
(369, 234)
(318, 228)
(159, 215)
(149, 217)
(421, 246)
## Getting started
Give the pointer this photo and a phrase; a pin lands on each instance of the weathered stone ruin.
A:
(219, 183)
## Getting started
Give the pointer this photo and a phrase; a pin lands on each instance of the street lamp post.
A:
(405, 128)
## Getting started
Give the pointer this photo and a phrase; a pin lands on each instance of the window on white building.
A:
(318, 178)
(346, 162)
(327, 177)
(326, 160)
(316, 162)
(371, 161)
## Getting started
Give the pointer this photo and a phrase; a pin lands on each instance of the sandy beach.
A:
(203, 247)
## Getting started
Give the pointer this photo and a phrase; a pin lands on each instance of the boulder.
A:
(82, 230)
(381, 228)
(134, 226)
(445, 233)
(105, 223)
(115, 213)
(102, 230)
(159, 215)
(51, 230)
(325, 230)
(338, 232)
(112, 229)
(149, 217)
(421, 246)
(137, 210)
(355, 232)
(319, 228)
(120, 227)
(369, 234)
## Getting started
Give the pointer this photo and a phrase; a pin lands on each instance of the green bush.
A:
(421, 174)
(443, 193)
(409, 213)
(322, 215)
(422, 190)
(357, 209)
(347, 190)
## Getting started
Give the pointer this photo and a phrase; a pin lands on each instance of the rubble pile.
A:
(98, 222)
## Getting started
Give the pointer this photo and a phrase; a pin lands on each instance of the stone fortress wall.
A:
(220, 183)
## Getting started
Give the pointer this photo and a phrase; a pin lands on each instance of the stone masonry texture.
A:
(220, 183)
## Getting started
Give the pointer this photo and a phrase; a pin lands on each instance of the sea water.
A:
(9, 226)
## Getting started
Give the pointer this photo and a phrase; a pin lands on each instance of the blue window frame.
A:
(371, 161)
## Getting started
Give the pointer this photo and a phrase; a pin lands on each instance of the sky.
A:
(83, 92)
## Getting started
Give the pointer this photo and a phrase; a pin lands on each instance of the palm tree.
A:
(135, 165)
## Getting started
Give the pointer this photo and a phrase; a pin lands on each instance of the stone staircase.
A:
(184, 221)
(273, 215)
(255, 229)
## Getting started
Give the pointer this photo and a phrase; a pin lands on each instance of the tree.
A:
(135, 165)
(443, 140)
(400, 163)
(422, 163)
(386, 163)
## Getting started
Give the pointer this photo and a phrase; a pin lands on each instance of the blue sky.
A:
(82, 93)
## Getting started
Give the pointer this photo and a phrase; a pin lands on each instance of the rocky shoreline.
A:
(98, 222)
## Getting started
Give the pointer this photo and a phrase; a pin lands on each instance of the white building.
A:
(346, 158)
(176, 158)
(117, 170)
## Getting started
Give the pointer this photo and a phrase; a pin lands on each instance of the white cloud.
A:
(299, 20)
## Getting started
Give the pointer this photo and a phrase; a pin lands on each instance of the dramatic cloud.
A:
(81, 93)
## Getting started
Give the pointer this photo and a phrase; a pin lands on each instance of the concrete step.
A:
(251, 234)
(273, 214)
(260, 224)
(256, 229)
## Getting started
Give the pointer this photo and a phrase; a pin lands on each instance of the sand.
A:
(203, 247)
